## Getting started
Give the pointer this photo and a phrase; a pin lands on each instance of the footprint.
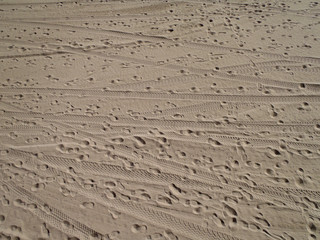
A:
(136, 228)
(2, 218)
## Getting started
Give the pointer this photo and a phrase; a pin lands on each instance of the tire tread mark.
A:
(176, 96)
(200, 46)
(56, 217)
(115, 171)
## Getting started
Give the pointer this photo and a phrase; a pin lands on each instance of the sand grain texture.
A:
(159, 120)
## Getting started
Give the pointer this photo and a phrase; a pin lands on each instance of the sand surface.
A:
(159, 120)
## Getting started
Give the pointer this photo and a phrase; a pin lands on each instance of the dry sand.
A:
(160, 120)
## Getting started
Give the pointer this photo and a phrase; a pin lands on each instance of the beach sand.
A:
(159, 120)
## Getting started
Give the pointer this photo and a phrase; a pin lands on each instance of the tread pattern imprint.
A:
(159, 120)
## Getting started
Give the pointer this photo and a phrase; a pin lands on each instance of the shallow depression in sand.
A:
(159, 120)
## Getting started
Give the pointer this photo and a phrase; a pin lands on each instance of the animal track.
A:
(159, 120)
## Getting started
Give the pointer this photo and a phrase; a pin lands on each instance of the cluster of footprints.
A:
(159, 120)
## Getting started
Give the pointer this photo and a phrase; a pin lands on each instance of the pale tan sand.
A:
(154, 120)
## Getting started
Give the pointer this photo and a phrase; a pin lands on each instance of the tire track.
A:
(54, 217)
(210, 106)
(159, 218)
(200, 46)
(231, 140)
(155, 83)
(167, 124)
(200, 71)
(232, 184)
(283, 69)
(203, 72)
(172, 96)
(147, 214)
(114, 171)
(51, 116)
(52, 172)
(117, 141)
(163, 219)
(32, 55)
(22, 128)
(201, 175)
(155, 216)
(209, 125)
(256, 65)
(12, 106)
